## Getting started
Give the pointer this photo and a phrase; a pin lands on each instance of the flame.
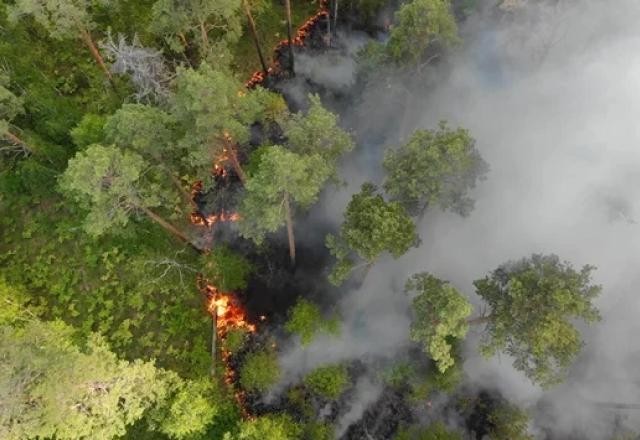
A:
(301, 35)
(229, 315)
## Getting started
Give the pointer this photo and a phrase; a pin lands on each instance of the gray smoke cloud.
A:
(551, 94)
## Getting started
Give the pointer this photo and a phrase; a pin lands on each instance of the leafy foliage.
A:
(533, 304)
(50, 387)
(329, 382)
(371, 227)
(419, 25)
(259, 371)
(435, 431)
(61, 18)
(435, 167)
(226, 269)
(440, 313)
(272, 427)
(281, 174)
(508, 422)
(306, 320)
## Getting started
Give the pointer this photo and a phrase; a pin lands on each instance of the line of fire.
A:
(226, 310)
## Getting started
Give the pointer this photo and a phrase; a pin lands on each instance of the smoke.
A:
(551, 93)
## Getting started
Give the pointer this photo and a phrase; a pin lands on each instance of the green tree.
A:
(440, 313)
(90, 130)
(259, 371)
(187, 410)
(435, 167)
(371, 226)
(214, 112)
(318, 132)
(50, 388)
(329, 382)
(148, 131)
(63, 19)
(533, 304)
(306, 320)
(226, 269)
(272, 427)
(282, 179)
(420, 25)
(508, 422)
(435, 431)
(10, 107)
(111, 184)
(181, 23)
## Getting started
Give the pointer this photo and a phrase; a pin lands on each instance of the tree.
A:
(435, 431)
(259, 371)
(10, 107)
(50, 388)
(306, 320)
(226, 269)
(329, 382)
(440, 313)
(63, 19)
(180, 23)
(111, 184)
(214, 112)
(533, 304)
(254, 35)
(420, 25)
(287, 7)
(187, 410)
(282, 179)
(508, 422)
(371, 226)
(435, 167)
(272, 427)
(317, 132)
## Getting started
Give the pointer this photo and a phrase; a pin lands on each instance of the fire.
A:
(298, 40)
(228, 315)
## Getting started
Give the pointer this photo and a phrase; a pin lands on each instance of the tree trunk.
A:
(292, 239)
(329, 23)
(235, 163)
(479, 320)
(254, 34)
(204, 36)
(166, 225)
(88, 41)
(17, 141)
(287, 4)
(178, 184)
(214, 337)
(336, 4)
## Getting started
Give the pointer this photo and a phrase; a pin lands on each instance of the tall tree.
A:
(282, 179)
(287, 7)
(254, 34)
(371, 227)
(50, 388)
(420, 25)
(533, 304)
(440, 314)
(306, 320)
(10, 107)
(435, 167)
(272, 427)
(64, 19)
(150, 132)
(112, 185)
(196, 22)
(317, 132)
(215, 112)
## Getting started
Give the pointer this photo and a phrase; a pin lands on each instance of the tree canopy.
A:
(371, 227)
(436, 167)
(440, 314)
(533, 304)
(306, 320)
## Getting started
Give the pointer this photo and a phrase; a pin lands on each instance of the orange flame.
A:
(301, 35)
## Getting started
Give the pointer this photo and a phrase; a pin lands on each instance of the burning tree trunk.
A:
(88, 41)
(287, 4)
(290, 235)
(232, 154)
(254, 34)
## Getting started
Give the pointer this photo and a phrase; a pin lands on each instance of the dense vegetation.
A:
(110, 113)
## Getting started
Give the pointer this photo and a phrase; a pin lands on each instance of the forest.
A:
(319, 219)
